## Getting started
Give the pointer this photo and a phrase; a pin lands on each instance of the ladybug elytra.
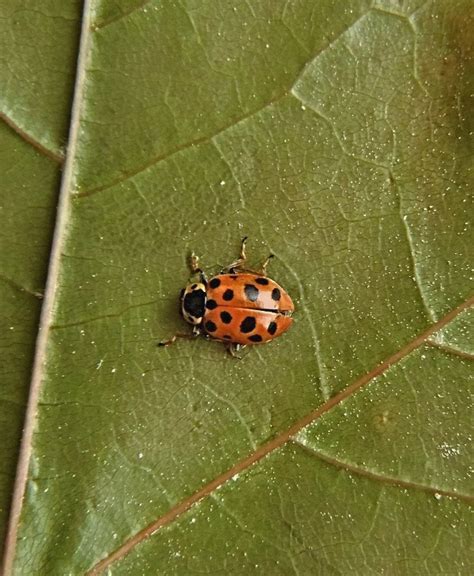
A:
(239, 307)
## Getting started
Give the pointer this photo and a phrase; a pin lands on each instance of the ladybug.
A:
(239, 307)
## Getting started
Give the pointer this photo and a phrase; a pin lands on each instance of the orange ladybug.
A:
(239, 307)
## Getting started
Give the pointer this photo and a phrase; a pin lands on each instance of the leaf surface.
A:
(37, 73)
(336, 137)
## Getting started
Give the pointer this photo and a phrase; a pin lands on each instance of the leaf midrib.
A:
(47, 309)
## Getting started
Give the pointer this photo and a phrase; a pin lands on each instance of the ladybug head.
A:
(193, 302)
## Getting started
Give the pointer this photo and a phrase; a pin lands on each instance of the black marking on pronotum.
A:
(226, 317)
(276, 294)
(211, 304)
(228, 295)
(194, 286)
(251, 292)
(215, 283)
(194, 302)
(262, 281)
(272, 327)
(255, 338)
(210, 326)
(248, 324)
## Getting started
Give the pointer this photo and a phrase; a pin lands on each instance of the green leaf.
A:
(38, 52)
(336, 136)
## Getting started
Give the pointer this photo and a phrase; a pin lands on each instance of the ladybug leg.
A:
(233, 348)
(263, 268)
(239, 263)
(242, 255)
(185, 335)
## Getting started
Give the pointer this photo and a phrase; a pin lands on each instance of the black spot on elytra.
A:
(211, 304)
(272, 327)
(276, 294)
(226, 317)
(248, 324)
(262, 281)
(233, 276)
(215, 283)
(251, 292)
(194, 302)
(255, 338)
(210, 326)
(228, 295)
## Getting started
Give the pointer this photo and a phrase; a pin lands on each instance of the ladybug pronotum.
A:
(239, 307)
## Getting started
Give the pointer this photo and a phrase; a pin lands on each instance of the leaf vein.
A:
(20, 288)
(381, 478)
(450, 350)
(203, 139)
(112, 20)
(51, 154)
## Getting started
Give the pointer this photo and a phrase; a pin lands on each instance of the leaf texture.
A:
(336, 136)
